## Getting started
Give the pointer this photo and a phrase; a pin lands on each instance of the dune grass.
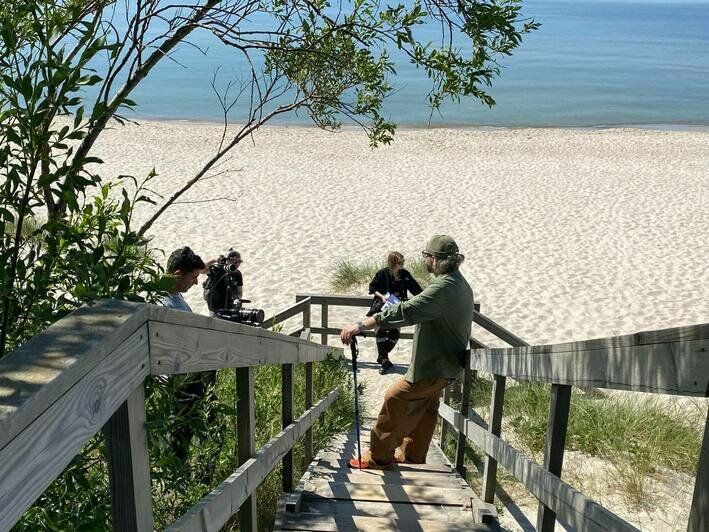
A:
(639, 438)
(351, 275)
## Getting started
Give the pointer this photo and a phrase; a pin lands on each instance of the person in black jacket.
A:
(392, 280)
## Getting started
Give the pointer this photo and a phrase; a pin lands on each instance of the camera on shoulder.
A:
(220, 292)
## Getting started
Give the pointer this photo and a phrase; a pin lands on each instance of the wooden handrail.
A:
(291, 311)
(86, 372)
(671, 361)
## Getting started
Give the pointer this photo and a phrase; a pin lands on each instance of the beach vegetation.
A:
(350, 276)
(640, 439)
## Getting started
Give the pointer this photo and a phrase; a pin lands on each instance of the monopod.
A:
(355, 353)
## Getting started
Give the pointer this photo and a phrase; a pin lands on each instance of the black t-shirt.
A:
(217, 298)
(384, 282)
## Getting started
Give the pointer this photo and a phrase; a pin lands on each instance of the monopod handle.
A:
(354, 348)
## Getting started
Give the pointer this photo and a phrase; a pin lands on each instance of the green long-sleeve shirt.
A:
(443, 314)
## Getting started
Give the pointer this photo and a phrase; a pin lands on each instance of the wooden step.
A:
(389, 493)
(337, 461)
(348, 523)
(433, 512)
(368, 476)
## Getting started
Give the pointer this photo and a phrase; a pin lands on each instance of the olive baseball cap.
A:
(442, 246)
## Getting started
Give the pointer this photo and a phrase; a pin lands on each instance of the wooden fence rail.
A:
(671, 361)
(85, 373)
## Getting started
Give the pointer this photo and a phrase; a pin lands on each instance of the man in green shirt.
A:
(443, 314)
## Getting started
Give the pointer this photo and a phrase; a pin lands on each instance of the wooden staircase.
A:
(409, 497)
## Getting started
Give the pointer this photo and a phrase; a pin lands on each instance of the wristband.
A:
(360, 326)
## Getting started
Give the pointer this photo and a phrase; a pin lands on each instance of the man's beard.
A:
(429, 267)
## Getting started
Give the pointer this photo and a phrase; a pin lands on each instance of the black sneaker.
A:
(386, 365)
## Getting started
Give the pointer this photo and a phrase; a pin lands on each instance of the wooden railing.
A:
(673, 361)
(86, 372)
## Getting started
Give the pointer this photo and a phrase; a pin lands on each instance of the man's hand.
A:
(208, 266)
(383, 297)
(348, 332)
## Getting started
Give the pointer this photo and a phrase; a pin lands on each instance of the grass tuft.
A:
(354, 275)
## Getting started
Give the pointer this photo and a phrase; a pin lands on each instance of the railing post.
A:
(129, 465)
(444, 423)
(323, 323)
(246, 438)
(494, 426)
(556, 438)
(308, 440)
(464, 405)
(287, 419)
(699, 514)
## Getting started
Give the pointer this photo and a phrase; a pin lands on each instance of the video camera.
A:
(220, 292)
(239, 314)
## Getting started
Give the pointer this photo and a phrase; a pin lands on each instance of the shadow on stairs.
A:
(332, 496)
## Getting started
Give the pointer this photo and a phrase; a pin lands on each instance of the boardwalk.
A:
(410, 497)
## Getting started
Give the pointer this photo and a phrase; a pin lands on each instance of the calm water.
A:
(591, 63)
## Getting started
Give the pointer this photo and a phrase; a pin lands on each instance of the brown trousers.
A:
(409, 411)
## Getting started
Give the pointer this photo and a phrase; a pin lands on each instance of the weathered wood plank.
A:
(315, 522)
(392, 477)
(192, 320)
(464, 405)
(324, 323)
(36, 456)
(182, 348)
(129, 465)
(679, 368)
(337, 300)
(35, 375)
(446, 514)
(246, 439)
(215, 509)
(674, 334)
(699, 514)
(287, 391)
(386, 493)
(572, 506)
(447, 392)
(559, 405)
(337, 461)
(495, 427)
(404, 335)
(283, 315)
(309, 390)
(498, 330)
(324, 331)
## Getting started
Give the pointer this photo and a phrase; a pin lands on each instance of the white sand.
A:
(569, 234)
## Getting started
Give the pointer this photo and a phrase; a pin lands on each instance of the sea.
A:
(591, 63)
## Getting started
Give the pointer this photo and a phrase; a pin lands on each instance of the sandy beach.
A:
(569, 234)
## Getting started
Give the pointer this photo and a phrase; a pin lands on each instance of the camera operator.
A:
(190, 390)
(225, 282)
